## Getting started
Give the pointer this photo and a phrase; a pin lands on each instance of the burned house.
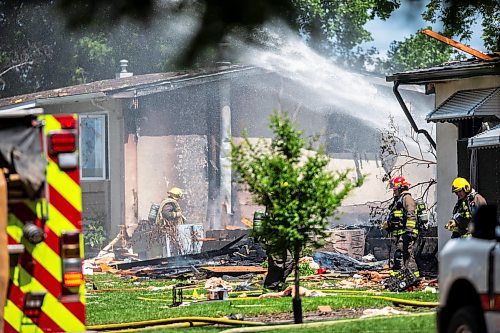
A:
(466, 118)
(143, 134)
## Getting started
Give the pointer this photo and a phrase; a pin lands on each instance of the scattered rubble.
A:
(238, 260)
(217, 283)
(325, 309)
(290, 291)
(387, 311)
(342, 263)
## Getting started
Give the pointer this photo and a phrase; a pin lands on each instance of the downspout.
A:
(409, 117)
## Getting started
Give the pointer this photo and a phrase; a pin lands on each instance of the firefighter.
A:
(402, 223)
(170, 212)
(468, 200)
(170, 217)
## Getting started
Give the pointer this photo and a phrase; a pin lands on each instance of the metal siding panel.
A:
(487, 139)
(466, 103)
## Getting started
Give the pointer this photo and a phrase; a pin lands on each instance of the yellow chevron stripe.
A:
(41, 252)
(54, 309)
(51, 124)
(59, 179)
(14, 228)
(64, 185)
(58, 222)
(14, 316)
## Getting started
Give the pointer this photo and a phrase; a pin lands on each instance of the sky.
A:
(405, 21)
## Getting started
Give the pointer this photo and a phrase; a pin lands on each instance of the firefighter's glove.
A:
(451, 225)
(384, 225)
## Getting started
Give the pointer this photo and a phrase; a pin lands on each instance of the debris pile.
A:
(342, 263)
(238, 257)
(387, 311)
(352, 260)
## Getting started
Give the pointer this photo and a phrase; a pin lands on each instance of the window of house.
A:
(93, 147)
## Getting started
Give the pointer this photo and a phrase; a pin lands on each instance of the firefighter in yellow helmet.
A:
(170, 212)
(468, 202)
(170, 216)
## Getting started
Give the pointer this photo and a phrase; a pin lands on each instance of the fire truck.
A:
(41, 241)
(469, 278)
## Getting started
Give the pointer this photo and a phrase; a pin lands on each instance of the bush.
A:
(94, 235)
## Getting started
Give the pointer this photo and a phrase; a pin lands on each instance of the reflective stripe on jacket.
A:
(463, 211)
(402, 215)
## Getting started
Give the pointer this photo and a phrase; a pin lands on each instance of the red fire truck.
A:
(42, 287)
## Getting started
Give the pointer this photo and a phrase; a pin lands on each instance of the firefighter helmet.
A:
(398, 183)
(460, 184)
(176, 192)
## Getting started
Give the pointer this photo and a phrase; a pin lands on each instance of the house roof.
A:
(127, 87)
(486, 139)
(467, 104)
(446, 72)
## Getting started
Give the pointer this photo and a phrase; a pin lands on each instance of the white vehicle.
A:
(469, 279)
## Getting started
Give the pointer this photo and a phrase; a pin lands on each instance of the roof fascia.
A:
(445, 74)
(173, 84)
(53, 101)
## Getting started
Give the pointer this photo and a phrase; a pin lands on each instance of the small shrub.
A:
(305, 269)
(94, 235)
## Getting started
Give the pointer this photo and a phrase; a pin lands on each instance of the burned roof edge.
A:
(180, 82)
(110, 86)
(447, 72)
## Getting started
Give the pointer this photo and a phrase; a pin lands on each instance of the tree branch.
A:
(15, 66)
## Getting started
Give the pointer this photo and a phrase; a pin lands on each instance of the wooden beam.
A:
(457, 45)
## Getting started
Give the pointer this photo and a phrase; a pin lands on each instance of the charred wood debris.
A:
(352, 252)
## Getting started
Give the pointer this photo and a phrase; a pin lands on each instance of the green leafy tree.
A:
(416, 51)
(336, 28)
(459, 16)
(37, 52)
(297, 190)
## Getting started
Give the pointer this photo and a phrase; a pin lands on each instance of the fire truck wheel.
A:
(467, 319)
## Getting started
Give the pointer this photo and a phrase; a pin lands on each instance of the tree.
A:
(397, 158)
(416, 51)
(459, 16)
(218, 18)
(37, 52)
(297, 191)
(336, 28)
(333, 27)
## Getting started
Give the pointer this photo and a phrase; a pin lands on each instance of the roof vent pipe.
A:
(409, 117)
(222, 60)
(123, 72)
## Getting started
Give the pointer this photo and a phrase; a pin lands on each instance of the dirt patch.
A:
(308, 316)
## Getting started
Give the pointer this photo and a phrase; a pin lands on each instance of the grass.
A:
(420, 324)
(126, 306)
(417, 324)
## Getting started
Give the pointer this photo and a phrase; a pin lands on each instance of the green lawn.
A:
(422, 324)
(126, 306)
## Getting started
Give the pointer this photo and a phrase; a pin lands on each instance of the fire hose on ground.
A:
(329, 323)
(186, 322)
(167, 321)
(182, 322)
(338, 293)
